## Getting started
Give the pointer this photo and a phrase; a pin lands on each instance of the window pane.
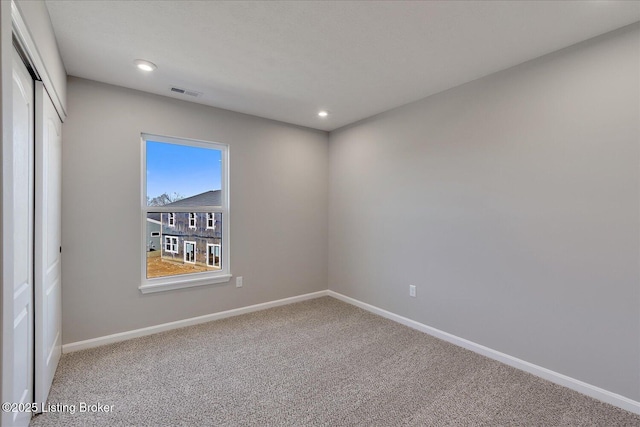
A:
(182, 175)
(180, 249)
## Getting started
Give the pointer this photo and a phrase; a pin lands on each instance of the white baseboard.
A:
(547, 374)
(123, 336)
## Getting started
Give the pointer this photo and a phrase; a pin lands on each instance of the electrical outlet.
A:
(412, 290)
(239, 282)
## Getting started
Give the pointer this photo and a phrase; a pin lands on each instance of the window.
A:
(213, 255)
(190, 252)
(185, 196)
(155, 234)
(171, 244)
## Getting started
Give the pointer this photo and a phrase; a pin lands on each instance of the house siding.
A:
(153, 242)
(201, 235)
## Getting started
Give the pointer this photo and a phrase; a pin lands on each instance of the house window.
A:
(171, 244)
(155, 234)
(182, 180)
(213, 255)
(190, 252)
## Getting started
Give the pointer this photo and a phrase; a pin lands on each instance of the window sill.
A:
(173, 284)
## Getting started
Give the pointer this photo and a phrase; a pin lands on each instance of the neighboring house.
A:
(193, 237)
(154, 230)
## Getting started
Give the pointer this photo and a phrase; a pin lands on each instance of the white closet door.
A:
(18, 342)
(48, 227)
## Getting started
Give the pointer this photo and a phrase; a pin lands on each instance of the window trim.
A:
(212, 219)
(173, 243)
(193, 216)
(171, 219)
(212, 245)
(184, 255)
(167, 283)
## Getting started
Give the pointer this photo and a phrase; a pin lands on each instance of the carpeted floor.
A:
(319, 362)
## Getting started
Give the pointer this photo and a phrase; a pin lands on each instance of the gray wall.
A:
(279, 195)
(512, 202)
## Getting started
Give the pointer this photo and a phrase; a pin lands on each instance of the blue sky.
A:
(173, 168)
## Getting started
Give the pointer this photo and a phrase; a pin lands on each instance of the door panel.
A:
(20, 337)
(48, 225)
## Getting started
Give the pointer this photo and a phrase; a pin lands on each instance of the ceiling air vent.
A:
(187, 92)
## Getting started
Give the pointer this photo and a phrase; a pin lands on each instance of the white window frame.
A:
(173, 244)
(168, 283)
(154, 234)
(211, 217)
(211, 245)
(193, 216)
(171, 219)
(184, 255)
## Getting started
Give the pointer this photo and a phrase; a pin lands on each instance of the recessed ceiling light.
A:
(323, 113)
(145, 65)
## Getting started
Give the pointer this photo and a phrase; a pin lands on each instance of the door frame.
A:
(213, 247)
(193, 243)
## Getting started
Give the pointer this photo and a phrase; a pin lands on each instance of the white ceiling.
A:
(287, 60)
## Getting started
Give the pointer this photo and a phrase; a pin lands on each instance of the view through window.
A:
(184, 208)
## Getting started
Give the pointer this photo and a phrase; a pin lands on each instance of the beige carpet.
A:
(320, 362)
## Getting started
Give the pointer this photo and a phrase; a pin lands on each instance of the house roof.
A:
(208, 198)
